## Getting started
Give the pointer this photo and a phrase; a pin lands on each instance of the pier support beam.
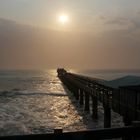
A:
(81, 100)
(94, 107)
(107, 116)
(76, 93)
(107, 110)
(86, 108)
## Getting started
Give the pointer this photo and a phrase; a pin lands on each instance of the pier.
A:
(124, 100)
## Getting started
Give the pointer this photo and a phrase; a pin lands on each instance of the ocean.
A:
(35, 101)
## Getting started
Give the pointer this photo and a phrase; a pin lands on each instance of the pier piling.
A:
(94, 107)
(107, 116)
(86, 107)
(81, 98)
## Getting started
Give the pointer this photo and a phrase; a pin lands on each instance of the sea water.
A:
(33, 102)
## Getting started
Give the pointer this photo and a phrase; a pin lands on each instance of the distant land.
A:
(123, 81)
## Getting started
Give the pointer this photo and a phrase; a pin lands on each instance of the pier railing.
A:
(127, 133)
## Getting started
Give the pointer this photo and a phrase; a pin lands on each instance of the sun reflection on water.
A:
(39, 111)
(49, 82)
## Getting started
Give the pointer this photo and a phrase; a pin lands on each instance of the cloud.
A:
(23, 46)
(119, 23)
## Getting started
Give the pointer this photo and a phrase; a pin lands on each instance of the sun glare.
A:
(63, 19)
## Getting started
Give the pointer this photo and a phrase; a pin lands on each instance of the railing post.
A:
(58, 130)
(86, 101)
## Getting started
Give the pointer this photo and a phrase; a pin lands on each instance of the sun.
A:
(63, 19)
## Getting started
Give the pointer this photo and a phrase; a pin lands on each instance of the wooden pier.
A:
(124, 101)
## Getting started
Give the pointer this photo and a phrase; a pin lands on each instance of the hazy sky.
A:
(100, 34)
